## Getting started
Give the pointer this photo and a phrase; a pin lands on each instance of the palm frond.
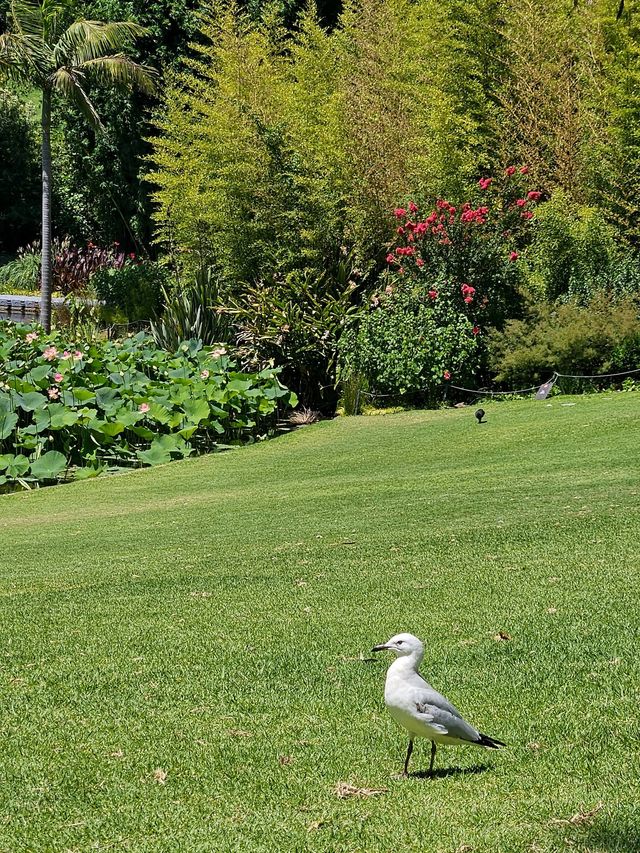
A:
(121, 71)
(24, 58)
(83, 40)
(26, 19)
(68, 82)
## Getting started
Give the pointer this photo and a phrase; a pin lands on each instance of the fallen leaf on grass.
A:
(201, 594)
(117, 754)
(501, 635)
(552, 610)
(316, 824)
(160, 776)
(464, 848)
(344, 790)
(578, 819)
(239, 733)
(285, 759)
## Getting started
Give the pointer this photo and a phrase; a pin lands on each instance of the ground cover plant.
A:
(184, 648)
(78, 410)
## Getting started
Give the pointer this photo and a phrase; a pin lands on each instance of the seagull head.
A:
(402, 645)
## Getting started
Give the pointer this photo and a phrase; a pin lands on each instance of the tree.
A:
(45, 49)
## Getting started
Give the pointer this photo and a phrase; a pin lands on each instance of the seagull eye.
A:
(400, 642)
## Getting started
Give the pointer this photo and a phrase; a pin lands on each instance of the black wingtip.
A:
(490, 742)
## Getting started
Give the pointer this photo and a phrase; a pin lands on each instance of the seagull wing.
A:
(444, 717)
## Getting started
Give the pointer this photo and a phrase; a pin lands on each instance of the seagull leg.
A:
(406, 761)
(433, 756)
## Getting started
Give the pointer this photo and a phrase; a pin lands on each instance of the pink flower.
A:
(433, 294)
(390, 258)
(401, 270)
(510, 170)
(204, 374)
(468, 299)
(66, 354)
(446, 374)
(514, 256)
(216, 353)
(526, 214)
(399, 230)
(485, 183)
(534, 195)
(467, 290)
(58, 377)
(400, 212)
(413, 207)
(419, 262)
(77, 354)
(476, 330)
(132, 255)
(31, 337)
(144, 407)
(53, 393)
(520, 202)
(524, 170)
(49, 353)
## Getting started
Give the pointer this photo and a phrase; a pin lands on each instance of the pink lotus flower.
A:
(534, 195)
(524, 170)
(400, 212)
(433, 294)
(520, 202)
(53, 393)
(485, 183)
(476, 330)
(509, 171)
(49, 353)
(446, 375)
(204, 374)
(58, 377)
(514, 256)
(144, 408)
(66, 354)
(31, 337)
(216, 353)
(77, 354)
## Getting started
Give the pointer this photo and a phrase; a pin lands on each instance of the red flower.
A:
(421, 228)
(476, 330)
(467, 290)
(521, 202)
(526, 214)
(390, 258)
(524, 170)
(446, 375)
(510, 170)
(433, 294)
(132, 255)
(534, 195)
(485, 183)
(413, 207)
(468, 299)
(400, 212)
(514, 256)
(400, 230)
(401, 270)
(419, 262)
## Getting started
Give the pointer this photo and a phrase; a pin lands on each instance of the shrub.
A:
(22, 274)
(574, 254)
(133, 288)
(409, 343)
(123, 403)
(74, 266)
(601, 337)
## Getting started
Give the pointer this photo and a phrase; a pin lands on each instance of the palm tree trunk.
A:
(45, 275)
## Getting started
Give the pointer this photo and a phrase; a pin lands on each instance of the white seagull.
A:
(417, 707)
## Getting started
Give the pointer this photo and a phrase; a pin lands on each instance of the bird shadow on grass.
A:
(444, 772)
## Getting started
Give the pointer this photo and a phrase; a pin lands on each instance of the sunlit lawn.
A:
(184, 650)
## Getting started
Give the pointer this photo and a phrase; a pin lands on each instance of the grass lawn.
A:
(181, 648)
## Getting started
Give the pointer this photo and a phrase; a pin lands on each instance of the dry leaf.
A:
(315, 825)
(533, 745)
(578, 819)
(239, 733)
(285, 759)
(464, 848)
(201, 594)
(117, 754)
(300, 582)
(552, 610)
(160, 775)
(344, 790)
(501, 635)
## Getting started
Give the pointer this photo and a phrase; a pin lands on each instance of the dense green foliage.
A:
(115, 404)
(19, 175)
(132, 291)
(186, 660)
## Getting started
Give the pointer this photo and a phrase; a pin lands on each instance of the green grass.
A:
(207, 618)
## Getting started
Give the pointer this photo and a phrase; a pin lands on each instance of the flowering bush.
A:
(86, 408)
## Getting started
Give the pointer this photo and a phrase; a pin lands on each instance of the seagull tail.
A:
(490, 742)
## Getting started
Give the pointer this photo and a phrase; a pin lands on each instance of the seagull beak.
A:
(381, 648)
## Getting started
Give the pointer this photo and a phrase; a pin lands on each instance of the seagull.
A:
(417, 707)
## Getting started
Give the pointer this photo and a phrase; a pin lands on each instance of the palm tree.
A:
(44, 48)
